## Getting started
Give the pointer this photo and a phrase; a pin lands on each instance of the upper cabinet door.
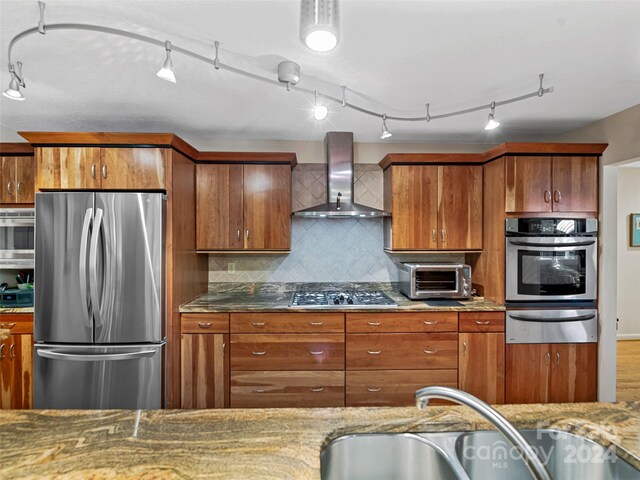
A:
(267, 207)
(528, 184)
(7, 179)
(459, 207)
(25, 179)
(575, 184)
(133, 168)
(414, 219)
(219, 224)
(68, 168)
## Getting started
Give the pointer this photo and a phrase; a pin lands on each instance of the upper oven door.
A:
(17, 238)
(551, 268)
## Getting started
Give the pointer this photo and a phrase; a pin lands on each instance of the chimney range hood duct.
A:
(338, 147)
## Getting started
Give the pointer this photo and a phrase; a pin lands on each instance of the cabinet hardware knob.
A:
(12, 350)
(316, 389)
(429, 352)
(258, 324)
(1, 351)
(238, 234)
(93, 170)
(374, 324)
(374, 352)
(557, 196)
(9, 187)
(483, 323)
(104, 171)
(259, 353)
(316, 323)
(548, 358)
(18, 186)
(547, 196)
(258, 390)
(442, 235)
(7, 326)
(433, 234)
(427, 322)
(204, 324)
(224, 345)
(557, 358)
(464, 349)
(320, 352)
(247, 234)
(373, 389)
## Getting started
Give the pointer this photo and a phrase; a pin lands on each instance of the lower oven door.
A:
(551, 268)
(552, 326)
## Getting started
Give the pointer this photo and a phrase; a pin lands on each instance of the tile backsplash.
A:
(325, 250)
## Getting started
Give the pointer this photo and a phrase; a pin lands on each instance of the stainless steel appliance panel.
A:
(17, 243)
(552, 326)
(96, 377)
(62, 307)
(420, 281)
(127, 288)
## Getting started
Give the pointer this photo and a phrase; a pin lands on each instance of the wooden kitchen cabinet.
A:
(243, 207)
(542, 184)
(205, 361)
(541, 373)
(481, 365)
(17, 180)
(16, 362)
(95, 168)
(433, 207)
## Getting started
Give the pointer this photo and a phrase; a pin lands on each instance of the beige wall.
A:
(628, 256)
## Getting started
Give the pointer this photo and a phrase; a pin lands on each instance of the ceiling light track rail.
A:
(215, 62)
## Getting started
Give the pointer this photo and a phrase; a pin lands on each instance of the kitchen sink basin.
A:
(468, 455)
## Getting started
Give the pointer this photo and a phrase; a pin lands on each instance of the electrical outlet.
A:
(231, 268)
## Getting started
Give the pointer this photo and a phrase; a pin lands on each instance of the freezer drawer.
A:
(96, 377)
(552, 326)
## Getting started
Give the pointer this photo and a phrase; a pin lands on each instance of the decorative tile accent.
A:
(326, 250)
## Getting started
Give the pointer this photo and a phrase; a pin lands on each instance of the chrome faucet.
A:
(530, 458)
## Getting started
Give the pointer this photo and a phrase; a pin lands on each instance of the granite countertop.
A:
(275, 297)
(16, 310)
(256, 443)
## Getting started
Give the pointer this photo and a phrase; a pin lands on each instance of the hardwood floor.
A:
(628, 375)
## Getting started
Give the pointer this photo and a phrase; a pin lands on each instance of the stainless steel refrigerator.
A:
(99, 300)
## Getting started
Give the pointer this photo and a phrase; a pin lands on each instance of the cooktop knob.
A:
(350, 301)
(336, 300)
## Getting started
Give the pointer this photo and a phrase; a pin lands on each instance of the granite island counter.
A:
(275, 297)
(256, 443)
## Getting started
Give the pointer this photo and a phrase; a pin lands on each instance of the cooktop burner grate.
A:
(341, 299)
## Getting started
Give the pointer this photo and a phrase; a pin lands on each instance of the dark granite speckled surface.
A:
(255, 443)
(275, 297)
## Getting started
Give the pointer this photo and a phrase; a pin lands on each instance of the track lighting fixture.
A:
(13, 92)
(319, 24)
(166, 72)
(491, 121)
(385, 131)
(320, 111)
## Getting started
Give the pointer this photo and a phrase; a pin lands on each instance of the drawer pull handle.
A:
(317, 389)
(258, 324)
(483, 323)
(426, 322)
(258, 390)
(374, 324)
(320, 352)
(204, 324)
(374, 352)
(1, 351)
(435, 350)
(8, 326)
(373, 390)
(316, 323)
(260, 353)
(12, 352)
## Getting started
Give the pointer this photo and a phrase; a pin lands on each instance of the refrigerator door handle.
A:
(82, 264)
(96, 357)
(93, 266)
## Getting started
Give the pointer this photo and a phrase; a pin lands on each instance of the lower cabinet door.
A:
(287, 389)
(481, 365)
(393, 388)
(205, 370)
(528, 370)
(16, 372)
(574, 372)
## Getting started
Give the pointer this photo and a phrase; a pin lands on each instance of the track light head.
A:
(492, 123)
(385, 131)
(166, 72)
(319, 24)
(320, 111)
(13, 92)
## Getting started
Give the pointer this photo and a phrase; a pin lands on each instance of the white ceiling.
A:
(395, 56)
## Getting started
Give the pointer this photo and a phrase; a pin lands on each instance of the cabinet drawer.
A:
(204, 323)
(17, 323)
(287, 389)
(287, 352)
(388, 351)
(405, 322)
(393, 388)
(481, 322)
(287, 322)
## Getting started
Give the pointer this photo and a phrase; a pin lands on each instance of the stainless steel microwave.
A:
(17, 232)
(435, 280)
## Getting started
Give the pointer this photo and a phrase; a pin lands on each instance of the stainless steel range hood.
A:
(338, 147)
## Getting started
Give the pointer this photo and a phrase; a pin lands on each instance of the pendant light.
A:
(319, 24)
(166, 72)
(492, 123)
(320, 111)
(385, 131)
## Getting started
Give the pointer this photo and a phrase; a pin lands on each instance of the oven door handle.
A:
(551, 244)
(578, 318)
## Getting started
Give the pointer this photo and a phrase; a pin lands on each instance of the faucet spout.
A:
(535, 466)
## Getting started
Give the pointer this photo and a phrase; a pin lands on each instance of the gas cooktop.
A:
(341, 299)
